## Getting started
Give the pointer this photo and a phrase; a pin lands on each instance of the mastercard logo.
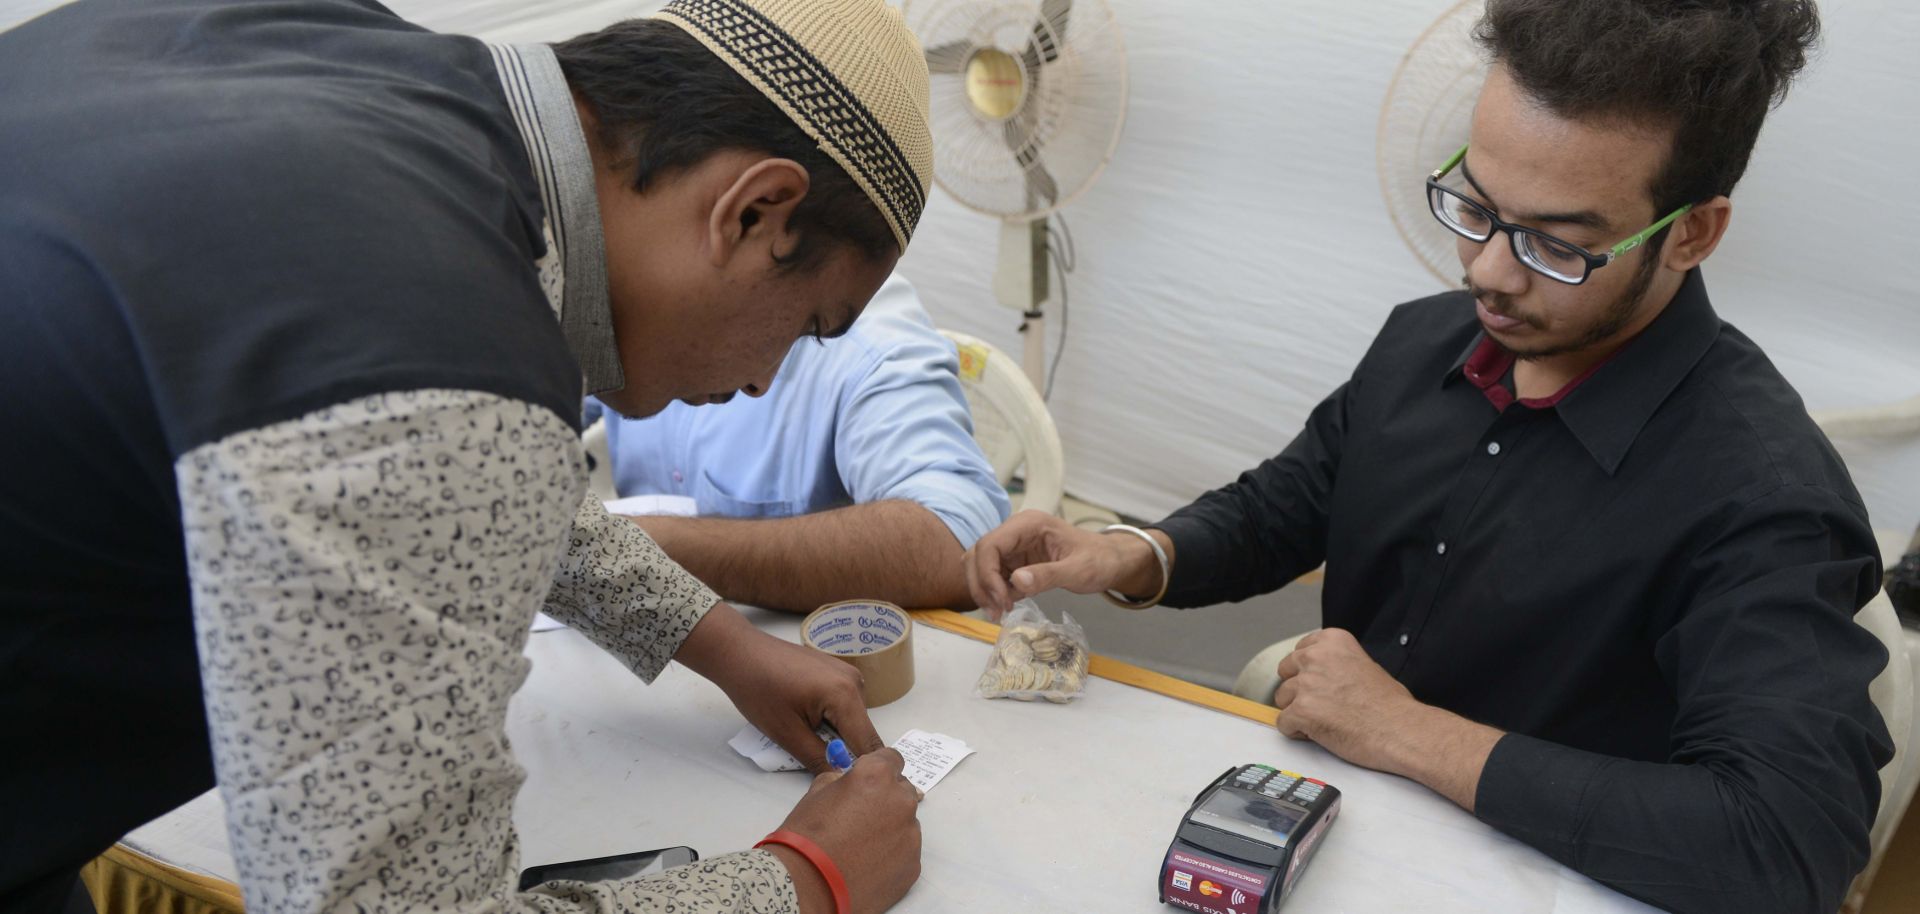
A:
(1208, 888)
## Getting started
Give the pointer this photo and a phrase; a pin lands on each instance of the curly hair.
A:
(1707, 70)
(665, 102)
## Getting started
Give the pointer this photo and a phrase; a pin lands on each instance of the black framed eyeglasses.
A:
(1541, 252)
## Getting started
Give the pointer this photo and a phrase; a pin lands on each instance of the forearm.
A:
(715, 641)
(891, 550)
(1334, 693)
(1442, 750)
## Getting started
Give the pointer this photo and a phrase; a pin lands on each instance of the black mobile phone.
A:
(604, 869)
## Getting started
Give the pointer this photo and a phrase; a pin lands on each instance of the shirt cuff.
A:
(756, 878)
(763, 870)
(748, 882)
(1197, 560)
(968, 509)
(1537, 792)
(615, 585)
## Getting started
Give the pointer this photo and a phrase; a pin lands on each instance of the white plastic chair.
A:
(1258, 679)
(1893, 693)
(600, 471)
(1011, 422)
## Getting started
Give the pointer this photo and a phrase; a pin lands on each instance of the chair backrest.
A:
(599, 461)
(1889, 420)
(1011, 422)
(1893, 690)
(1893, 693)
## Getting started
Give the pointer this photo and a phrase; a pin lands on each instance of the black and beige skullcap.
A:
(847, 71)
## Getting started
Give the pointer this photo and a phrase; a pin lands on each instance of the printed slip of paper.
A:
(929, 756)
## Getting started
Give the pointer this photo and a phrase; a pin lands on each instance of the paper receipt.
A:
(929, 756)
(760, 749)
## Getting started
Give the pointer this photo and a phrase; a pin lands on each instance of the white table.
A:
(1061, 808)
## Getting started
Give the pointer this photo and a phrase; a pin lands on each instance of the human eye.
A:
(1467, 214)
(1559, 253)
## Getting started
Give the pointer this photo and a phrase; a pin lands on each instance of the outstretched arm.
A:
(891, 550)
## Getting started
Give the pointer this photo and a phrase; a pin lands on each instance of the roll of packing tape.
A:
(873, 635)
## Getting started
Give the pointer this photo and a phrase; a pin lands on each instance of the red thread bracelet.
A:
(836, 884)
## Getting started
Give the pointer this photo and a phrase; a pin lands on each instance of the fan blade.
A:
(1019, 137)
(1040, 182)
(949, 58)
(1049, 33)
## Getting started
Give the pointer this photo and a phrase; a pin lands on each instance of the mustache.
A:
(1500, 303)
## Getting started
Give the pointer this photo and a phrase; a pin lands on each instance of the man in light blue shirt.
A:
(855, 475)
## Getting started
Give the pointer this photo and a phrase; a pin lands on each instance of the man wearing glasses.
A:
(1591, 570)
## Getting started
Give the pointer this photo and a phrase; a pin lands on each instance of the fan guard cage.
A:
(1425, 118)
(1070, 111)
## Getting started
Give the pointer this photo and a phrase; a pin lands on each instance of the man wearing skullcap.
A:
(296, 302)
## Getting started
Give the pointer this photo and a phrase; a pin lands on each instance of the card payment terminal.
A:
(1245, 840)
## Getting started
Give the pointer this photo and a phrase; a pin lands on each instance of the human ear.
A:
(1696, 234)
(756, 210)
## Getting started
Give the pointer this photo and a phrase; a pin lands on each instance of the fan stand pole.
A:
(1033, 347)
(1020, 282)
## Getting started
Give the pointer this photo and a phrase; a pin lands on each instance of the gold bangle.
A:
(1122, 600)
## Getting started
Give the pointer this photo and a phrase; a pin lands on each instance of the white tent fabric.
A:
(1236, 257)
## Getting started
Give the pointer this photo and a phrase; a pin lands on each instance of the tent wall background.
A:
(1236, 257)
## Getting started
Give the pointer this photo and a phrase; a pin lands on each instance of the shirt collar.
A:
(1609, 406)
(543, 110)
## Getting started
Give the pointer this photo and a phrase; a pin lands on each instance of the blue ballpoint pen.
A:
(838, 755)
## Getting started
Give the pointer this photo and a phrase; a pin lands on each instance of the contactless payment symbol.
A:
(1183, 881)
(1239, 897)
(1208, 889)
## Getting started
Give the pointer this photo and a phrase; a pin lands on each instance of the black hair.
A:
(666, 102)
(1707, 70)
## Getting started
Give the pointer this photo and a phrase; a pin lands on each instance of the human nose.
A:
(759, 386)
(1495, 268)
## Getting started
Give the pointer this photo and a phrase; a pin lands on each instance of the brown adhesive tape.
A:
(873, 635)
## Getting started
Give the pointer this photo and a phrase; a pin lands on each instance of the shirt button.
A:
(1403, 639)
(677, 477)
(1493, 448)
(1441, 549)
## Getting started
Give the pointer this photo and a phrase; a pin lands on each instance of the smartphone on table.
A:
(607, 869)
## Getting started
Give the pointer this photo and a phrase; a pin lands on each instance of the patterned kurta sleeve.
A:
(363, 578)
(619, 588)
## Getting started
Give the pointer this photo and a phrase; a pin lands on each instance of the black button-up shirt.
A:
(1649, 582)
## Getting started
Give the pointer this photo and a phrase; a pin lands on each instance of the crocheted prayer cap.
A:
(848, 72)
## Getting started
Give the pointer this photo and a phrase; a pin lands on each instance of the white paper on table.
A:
(670, 505)
(763, 751)
(929, 756)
